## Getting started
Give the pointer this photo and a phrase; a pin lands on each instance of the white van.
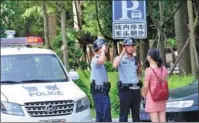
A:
(35, 86)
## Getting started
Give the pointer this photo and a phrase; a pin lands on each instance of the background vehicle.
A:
(35, 86)
(181, 106)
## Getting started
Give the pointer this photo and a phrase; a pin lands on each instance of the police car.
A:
(35, 86)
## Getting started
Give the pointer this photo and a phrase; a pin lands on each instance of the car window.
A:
(32, 67)
(47, 68)
(195, 82)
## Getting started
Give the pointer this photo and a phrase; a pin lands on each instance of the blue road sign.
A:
(129, 13)
(129, 10)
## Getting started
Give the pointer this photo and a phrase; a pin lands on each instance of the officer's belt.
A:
(131, 86)
(99, 87)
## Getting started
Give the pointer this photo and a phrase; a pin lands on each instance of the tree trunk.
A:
(63, 32)
(144, 46)
(46, 28)
(77, 12)
(181, 33)
(52, 22)
(115, 49)
(191, 35)
(179, 56)
(77, 15)
(196, 3)
(161, 38)
(108, 58)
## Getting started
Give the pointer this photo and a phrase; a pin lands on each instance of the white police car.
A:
(35, 86)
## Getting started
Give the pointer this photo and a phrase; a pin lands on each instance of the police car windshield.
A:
(27, 68)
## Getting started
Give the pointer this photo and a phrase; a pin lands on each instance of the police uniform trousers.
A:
(129, 99)
(102, 107)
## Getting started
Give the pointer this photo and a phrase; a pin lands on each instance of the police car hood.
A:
(37, 92)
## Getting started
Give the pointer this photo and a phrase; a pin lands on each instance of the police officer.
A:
(128, 85)
(99, 83)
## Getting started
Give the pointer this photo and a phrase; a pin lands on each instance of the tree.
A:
(78, 21)
(192, 36)
(161, 36)
(196, 11)
(181, 32)
(46, 26)
(99, 22)
(11, 18)
(62, 10)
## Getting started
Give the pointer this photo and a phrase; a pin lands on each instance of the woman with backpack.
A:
(155, 89)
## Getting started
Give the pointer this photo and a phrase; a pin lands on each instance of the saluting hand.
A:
(123, 51)
(104, 48)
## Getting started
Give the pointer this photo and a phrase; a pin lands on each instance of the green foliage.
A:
(56, 43)
(74, 52)
(171, 42)
(11, 17)
(32, 11)
(109, 66)
(176, 81)
(114, 94)
(25, 17)
(84, 65)
(34, 18)
(22, 16)
(84, 84)
(89, 17)
(104, 14)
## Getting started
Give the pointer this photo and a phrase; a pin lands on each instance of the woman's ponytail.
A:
(159, 62)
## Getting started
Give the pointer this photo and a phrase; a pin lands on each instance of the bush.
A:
(176, 81)
(73, 50)
(86, 89)
(84, 84)
(114, 94)
(84, 65)
(109, 66)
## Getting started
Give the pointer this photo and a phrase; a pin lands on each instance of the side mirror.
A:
(74, 75)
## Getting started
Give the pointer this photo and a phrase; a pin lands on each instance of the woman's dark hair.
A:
(155, 55)
(146, 64)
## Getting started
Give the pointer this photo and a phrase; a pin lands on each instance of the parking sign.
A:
(129, 19)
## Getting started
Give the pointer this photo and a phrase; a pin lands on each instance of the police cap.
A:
(98, 44)
(128, 41)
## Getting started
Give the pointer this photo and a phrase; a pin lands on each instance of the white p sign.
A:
(125, 8)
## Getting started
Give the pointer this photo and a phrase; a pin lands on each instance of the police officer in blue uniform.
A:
(100, 86)
(128, 85)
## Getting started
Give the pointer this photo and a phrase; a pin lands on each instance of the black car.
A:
(182, 105)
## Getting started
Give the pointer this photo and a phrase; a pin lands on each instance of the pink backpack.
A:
(161, 91)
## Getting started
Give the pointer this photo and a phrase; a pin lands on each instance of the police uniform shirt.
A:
(128, 70)
(98, 72)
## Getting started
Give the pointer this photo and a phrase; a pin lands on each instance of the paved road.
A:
(116, 120)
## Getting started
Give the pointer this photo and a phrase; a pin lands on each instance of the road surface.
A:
(115, 120)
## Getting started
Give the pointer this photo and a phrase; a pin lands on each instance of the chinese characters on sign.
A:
(129, 19)
(123, 30)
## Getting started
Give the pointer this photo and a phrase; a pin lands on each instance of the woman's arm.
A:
(147, 79)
